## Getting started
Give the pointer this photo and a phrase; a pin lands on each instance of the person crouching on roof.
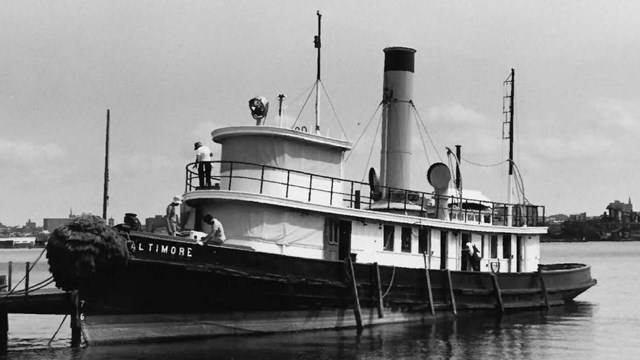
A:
(216, 236)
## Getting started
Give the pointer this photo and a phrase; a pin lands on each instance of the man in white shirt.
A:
(216, 236)
(203, 161)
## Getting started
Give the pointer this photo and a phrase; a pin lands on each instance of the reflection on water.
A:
(600, 325)
(530, 335)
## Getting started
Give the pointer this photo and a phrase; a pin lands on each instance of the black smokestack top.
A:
(399, 58)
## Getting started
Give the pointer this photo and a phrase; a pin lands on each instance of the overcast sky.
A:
(173, 71)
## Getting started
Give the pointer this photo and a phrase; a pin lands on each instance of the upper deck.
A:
(314, 188)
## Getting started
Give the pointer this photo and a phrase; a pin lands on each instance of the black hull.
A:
(218, 290)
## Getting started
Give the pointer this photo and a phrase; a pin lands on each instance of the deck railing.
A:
(303, 186)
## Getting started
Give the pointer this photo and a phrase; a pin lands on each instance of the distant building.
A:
(30, 225)
(156, 224)
(51, 224)
(578, 217)
(621, 212)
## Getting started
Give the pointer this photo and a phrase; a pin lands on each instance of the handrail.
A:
(460, 209)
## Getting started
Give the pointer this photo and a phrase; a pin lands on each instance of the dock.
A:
(36, 299)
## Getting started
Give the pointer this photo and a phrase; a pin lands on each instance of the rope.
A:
(11, 291)
(393, 274)
(56, 333)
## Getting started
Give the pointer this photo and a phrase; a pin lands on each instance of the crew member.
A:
(172, 215)
(216, 236)
(203, 161)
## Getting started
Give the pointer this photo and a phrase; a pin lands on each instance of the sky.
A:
(170, 72)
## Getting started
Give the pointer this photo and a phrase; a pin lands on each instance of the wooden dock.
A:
(42, 301)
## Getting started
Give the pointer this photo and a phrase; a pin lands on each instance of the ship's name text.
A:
(166, 249)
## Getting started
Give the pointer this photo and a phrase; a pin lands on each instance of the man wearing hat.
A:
(172, 215)
(203, 161)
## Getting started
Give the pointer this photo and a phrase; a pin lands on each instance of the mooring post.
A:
(4, 329)
(356, 301)
(451, 294)
(9, 275)
(76, 325)
(4, 319)
(379, 289)
(26, 280)
(426, 273)
(544, 288)
(496, 288)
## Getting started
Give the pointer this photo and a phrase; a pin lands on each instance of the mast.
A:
(509, 120)
(105, 199)
(317, 43)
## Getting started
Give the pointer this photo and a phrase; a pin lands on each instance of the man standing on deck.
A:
(203, 161)
(172, 215)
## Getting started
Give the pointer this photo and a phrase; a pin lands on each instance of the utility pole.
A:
(105, 199)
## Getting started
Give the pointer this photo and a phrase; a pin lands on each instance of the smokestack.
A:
(396, 122)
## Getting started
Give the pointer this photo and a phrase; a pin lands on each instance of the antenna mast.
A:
(317, 44)
(105, 199)
(509, 121)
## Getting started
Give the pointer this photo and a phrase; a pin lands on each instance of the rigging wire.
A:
(365, 130)
(334, 111)
(424, 147)
(371, 152)
(484, 165)
(305, 104)
(415, 110)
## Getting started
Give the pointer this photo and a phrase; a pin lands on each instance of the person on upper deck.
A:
(172, 215)
(203, 162)
(216, 236)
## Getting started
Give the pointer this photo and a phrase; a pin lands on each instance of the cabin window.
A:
(506, 247)
(424, 241)
(388, 237)
(494, 246)
(406, 239)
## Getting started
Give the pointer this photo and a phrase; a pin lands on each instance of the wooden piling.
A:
(544, 288)
(26, 280)
(4, 330)
(496, 288)
(76, 325)
(426, 273)
(9, 275)
(356, 301)
(379, 290)
(453, 297)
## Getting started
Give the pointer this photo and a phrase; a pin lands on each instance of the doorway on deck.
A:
(337, 239)
(519, 252)
(444, 249)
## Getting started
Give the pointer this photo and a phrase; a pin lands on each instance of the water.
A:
(602, 324)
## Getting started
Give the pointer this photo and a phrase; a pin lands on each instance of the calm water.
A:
(601, 324)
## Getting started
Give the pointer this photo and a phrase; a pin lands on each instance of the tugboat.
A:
(307, 249)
